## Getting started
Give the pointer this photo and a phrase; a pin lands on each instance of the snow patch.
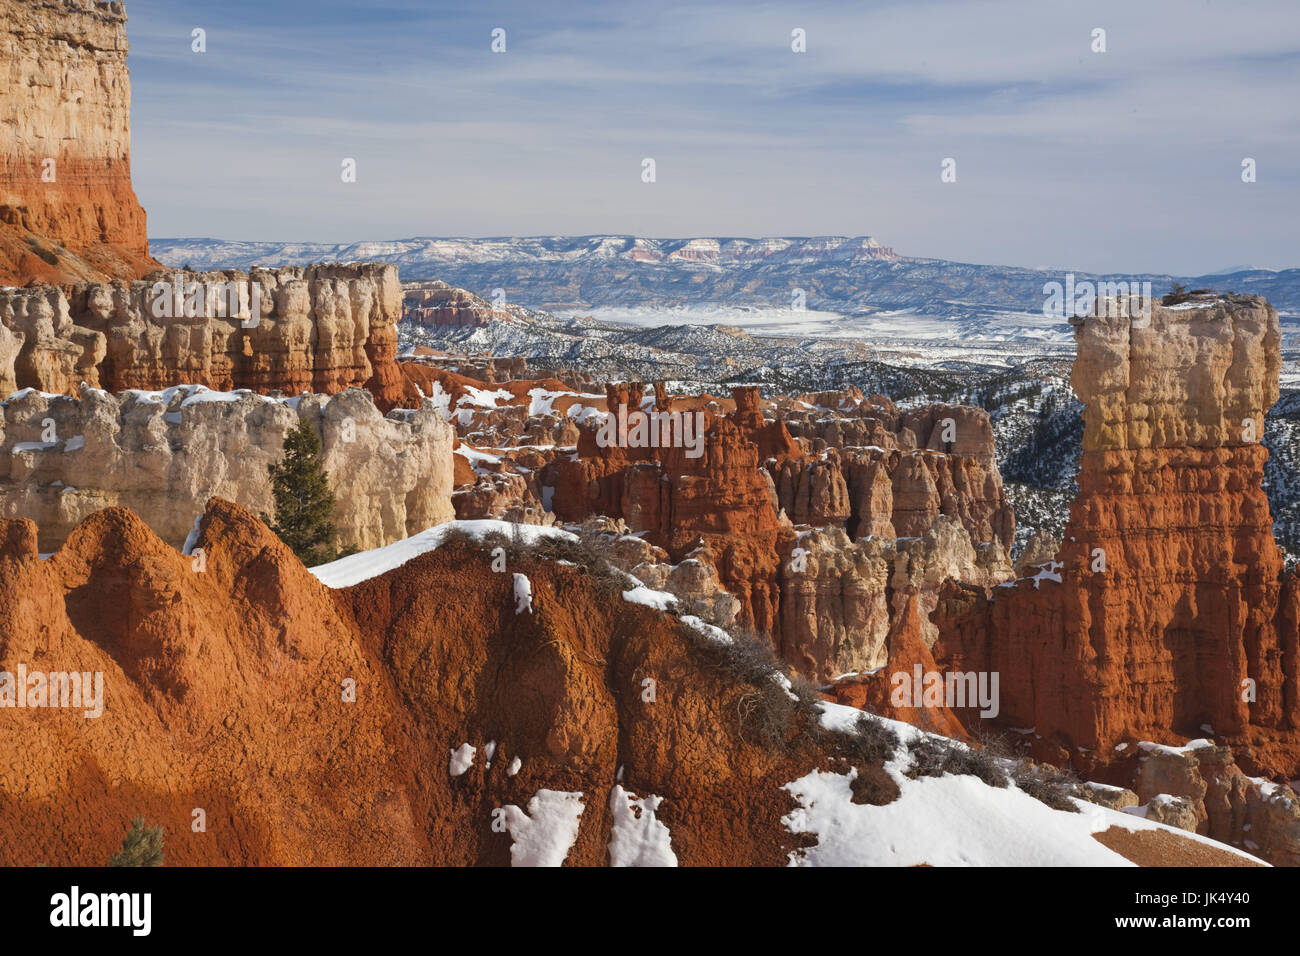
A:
(953, 820)
(637, 837)
(715, 634)
(659, 600)
(1199, 744)
(544, 835)
(523, 594)
(462, 758)
(356, 568)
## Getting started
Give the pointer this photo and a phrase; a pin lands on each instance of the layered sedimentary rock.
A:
(744, 495)
(891, 474)
(1224, 803)
(41, 346)
(878, 691)
(827, 602)
(839, 599)
(719, 496)
(67, 208)
(675, 492)
(1166, 615)
(321, 328)
(228, 690)
(404, 718)
(164, 454)
(436, 304)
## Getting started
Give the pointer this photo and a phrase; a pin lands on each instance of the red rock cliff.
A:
(251, 691)
(403, 719)
(827, 602)
(1168, 612)
(67, 208)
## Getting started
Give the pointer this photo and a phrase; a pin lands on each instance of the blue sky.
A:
(1128, 160)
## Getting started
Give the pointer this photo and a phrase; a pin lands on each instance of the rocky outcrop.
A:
(1039, 550)
(164, 454)
(839, 599)
(1204, 788)
(876, 691)
(491, 495)
(835, 610)
(666, 490)
(693, 581)
(235, 690)
(41, 346)
(220, 693)
(486, 368)
(67, 208)
(740, 506)
(434, 304)
(721, 497)
(1167, 612)
(322, 328)
(415, 718)
(881, 472)
(827, 602)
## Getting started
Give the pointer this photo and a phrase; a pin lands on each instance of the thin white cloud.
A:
(750, 139)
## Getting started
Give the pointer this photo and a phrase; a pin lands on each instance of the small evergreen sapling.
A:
(143, 846)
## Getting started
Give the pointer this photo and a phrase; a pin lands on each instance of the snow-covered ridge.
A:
(536, 249)
(365, 565)
(955, 820)
(356, 568)
(581, 273)
(952, 820)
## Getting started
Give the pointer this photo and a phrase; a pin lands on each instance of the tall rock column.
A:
(1167, 616)
(67, 208)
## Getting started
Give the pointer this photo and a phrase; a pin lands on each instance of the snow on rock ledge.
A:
(462, 758)
(370, 564)
(523, 594)
(948, 821)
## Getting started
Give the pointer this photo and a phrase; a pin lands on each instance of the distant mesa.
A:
(437, 305)
(585, 274)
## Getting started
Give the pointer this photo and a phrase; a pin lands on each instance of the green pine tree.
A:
(1177, 293)
(304, 504)
(143, 846)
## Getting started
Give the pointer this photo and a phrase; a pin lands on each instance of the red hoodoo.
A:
(1168, 616)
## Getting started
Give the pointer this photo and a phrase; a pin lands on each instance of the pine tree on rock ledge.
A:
(304, 504)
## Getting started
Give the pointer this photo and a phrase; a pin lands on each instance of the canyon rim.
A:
(589, 531)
